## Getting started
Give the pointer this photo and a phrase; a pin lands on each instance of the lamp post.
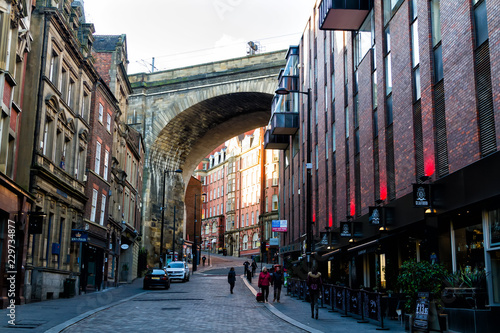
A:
(195, 243)
(284, 91)
(173, 240)
(163, 211)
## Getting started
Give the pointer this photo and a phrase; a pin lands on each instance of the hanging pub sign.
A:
(375, 215)
(79, 236)
(345, 229)
(421, 322)
(421, 195)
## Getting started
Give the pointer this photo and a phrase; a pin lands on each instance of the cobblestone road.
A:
(204, 304)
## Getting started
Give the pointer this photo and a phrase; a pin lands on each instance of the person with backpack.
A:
(315, 285)
(277, 282)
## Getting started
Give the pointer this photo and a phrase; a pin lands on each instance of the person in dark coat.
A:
(254, 267)
(249, 276)
(231, 278)
(277, 282)
(246, 264)
(315, 285)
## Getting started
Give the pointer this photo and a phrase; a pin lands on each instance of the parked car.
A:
(178, 270)
(156, 277)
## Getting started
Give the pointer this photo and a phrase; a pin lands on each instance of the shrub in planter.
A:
(420, 276)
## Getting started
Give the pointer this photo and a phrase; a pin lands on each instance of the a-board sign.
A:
(421, 322)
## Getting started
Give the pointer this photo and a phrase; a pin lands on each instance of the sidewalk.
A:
(55, 315)
(298, 312)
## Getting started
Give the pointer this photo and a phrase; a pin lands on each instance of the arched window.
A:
(207, 229)
(245, 242)
(255, 240)
(214, 227)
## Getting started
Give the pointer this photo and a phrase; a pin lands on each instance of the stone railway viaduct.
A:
(183, 114)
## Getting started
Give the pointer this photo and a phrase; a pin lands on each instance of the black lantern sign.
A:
(376, 215)
(345, 229)
(421, 195)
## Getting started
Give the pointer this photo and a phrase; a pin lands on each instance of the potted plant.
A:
(465, 289)
(420, 276)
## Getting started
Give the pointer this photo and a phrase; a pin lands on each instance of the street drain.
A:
(170, 308)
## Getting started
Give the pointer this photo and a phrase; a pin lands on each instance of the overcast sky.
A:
(181, 33)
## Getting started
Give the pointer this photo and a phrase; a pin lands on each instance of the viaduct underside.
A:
(183, 114)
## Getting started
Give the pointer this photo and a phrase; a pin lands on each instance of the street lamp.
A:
(195, 244)
(163, 211)
(284, 91)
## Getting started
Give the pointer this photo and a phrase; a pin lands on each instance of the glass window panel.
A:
(481, 23)
(494, 222)
(414, 44)
(438, 64)
(416, 84)
(388, 75)
(469, 244)
(389, 115)
(374, 90)
(436, 22)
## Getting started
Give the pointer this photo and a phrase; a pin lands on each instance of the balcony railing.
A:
(343, 14)
(272, 141)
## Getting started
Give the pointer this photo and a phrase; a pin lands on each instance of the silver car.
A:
(178, 270)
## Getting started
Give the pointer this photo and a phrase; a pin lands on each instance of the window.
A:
(255, 240)
(245, 242)
(101, 113)
(85, 106)
(108, 123)
(97, 164)
(103, 209)
(54, 62)
(275, 202)
(106, 161)
(253, 219)
(71, 89)
(94, 205)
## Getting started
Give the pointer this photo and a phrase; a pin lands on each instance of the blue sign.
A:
(79, 236)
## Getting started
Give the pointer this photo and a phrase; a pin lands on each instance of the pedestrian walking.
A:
(203, 259)
(249, 276)
(246, 264)
(231, 278)
(315, 285)
(254, 267)
(277, 282)
(264, 282)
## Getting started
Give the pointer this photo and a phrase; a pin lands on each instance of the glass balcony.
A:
(343, 14)
(272, 141)
(284, 123)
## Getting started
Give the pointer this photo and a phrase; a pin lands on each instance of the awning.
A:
(360, 249)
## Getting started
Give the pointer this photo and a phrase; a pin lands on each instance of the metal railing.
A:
(365, 305)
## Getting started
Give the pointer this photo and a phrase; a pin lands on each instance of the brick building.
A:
(393, 109)
(59, 83)
(15, 201)
(241, 197)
